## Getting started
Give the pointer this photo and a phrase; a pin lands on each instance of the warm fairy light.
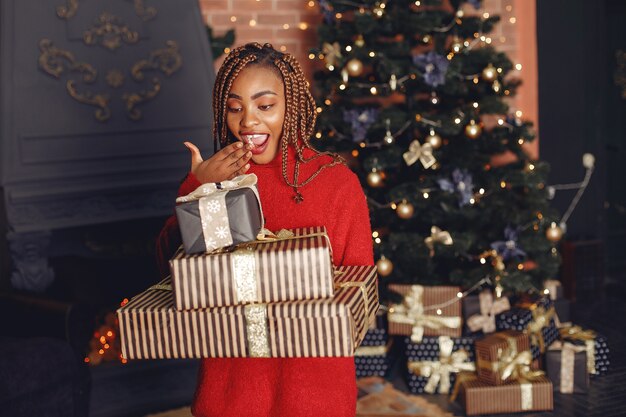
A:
(106, 346)
(475, 80)
(124, 302)
(319, 109)
(377, 240)
(342, 86)
(499, 70)
(330, 67)
(321, 56)
(450, 56)
(382, 5)
(531, 167)
(539, 216)
(439, 312)
(488, 40)
(536, 227)
(375, 233)
(425, 195)
(283, 48)
(252, 22)
(475, 105)
(394, 206)
(101, 351)
(481, 191)
(338, 15)
(483, 261)
(355, 153)
(318, 135)
(373, 90)
(507, 92)
(103, 340)
(472, 201)
(520, 266)
(502, 184)
(459, 294)
(286, 26)
(518, 67)
(311, 3)
(418, 3)
(434, 100)
(86, 360)
(509, 8)
(518, 113)
(457, 120)
(227, 50)
(513, 20)
(311, 56)
(348, 48)
(500, 122)
(482, 38)
(328, 102)
(520, 141)
(466, 44)
(476, 34)
(303, 26)
(110, 333)
(362, 145)
(233, 19)
(124, 360)
(546, 291)
(372, 54)
(485, 15)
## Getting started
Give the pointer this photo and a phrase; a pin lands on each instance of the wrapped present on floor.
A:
(479, 311)
(216, 215)
(425, 311)
(531, 393)
(371, 358)
(566, 366)
(561, 305)
(596, 346)
(295, 265)
(504, 356)
(536, 319)
(152, 328)
(434, 363)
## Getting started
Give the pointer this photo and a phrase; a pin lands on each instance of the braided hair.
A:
(300, 113)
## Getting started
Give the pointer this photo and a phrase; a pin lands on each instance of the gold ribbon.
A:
(243, 264)
(587, 336)
(486, 320)
(411, 312)
(363, 287)
(510, 363)
(437, 236)
(568, 356)
(331, 52)
(372, 350)
(438, 372)
(256, 330)
(552, 286)
(541, 319)
(161, 286)
(423, 153)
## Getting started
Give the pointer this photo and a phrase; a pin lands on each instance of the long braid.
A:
(300, 111)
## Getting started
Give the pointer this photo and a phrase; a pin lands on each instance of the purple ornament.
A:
(327, 11)
(461, 184)
(508, 248)
(433, 67)
(360, 121)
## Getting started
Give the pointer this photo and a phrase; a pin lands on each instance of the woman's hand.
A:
(223, 165)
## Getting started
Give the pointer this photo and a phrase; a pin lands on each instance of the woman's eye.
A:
(266, 107)
(234, 109)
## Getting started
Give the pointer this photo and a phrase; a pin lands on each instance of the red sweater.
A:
(288, 387)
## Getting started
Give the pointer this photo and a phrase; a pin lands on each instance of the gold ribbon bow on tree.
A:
(541, 319)
(411, 312)
(437, 236)
(423, 153)
(568, 352)
(486, 320)
(332, 52)
(587, 336)
(438, 372)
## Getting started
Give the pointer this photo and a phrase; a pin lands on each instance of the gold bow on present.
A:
(437, 236)
(411, 312)
(331, 53)
(568, 352)
(438, 372)
(486, 320)
(510, 363)
(541, 319)
(587, 336)
(552, 286)
(423, 153)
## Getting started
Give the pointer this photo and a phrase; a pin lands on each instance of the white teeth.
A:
(256, 139)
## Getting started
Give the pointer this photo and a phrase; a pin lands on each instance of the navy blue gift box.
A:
(519, 318)
(370, 359)
(601, 351)
(428, 350)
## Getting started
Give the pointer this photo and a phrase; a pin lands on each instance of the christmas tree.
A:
(416, 98)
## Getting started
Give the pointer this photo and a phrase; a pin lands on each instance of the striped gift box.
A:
(152, 328)
(288, 269)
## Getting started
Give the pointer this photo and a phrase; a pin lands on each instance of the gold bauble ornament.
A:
(405, 210)
(360, 42)
(434, 139)
(554, 233)
(490, 73)
(473, 130)
(385, 266)
(375, 178)
(354, 67)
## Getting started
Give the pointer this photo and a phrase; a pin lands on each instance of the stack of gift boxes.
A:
(490, 355)
(238, 290)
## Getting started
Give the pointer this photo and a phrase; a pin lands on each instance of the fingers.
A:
(241, 159)
(235, 150)
(240, 171)
(196, 156)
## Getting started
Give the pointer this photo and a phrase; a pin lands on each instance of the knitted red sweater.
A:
(293, 387)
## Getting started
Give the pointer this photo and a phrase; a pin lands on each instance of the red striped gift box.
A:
(152, 328)
(292, 268)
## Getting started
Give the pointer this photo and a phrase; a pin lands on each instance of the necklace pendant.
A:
(298, 198)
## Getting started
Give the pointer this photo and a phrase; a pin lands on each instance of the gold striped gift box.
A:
(152, 328)
(296, 267)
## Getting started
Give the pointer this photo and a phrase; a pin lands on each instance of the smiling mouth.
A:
(259, 142)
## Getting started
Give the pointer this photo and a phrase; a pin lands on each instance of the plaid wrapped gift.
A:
(524, 394)
(434, 362)
(596, 345)
(425, 311)
(537, 320)
(566, 366)
(216, 215)
(151, 328)
(296, 265)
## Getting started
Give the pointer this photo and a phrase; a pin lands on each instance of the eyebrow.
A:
(254, 96)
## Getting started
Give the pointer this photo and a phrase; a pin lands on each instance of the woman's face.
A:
(256, 110)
